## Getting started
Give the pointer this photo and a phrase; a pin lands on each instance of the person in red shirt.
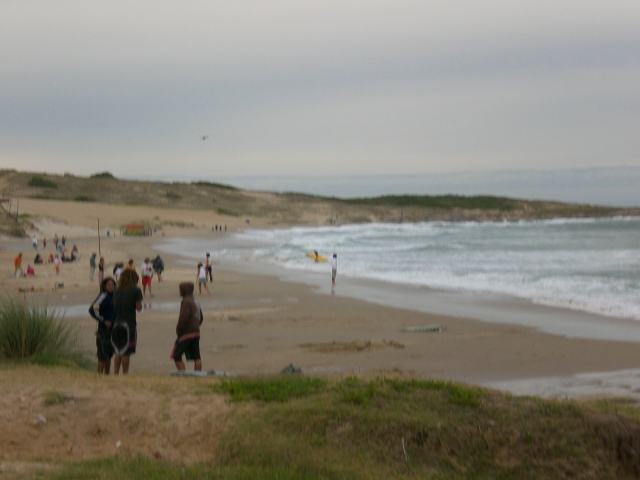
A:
(17, 263)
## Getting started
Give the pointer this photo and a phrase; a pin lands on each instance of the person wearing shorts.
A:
(102, 311)
(202, 279)
(208, 268)
(188, 329)
(17, 263)
(124, 336)
(147, 274)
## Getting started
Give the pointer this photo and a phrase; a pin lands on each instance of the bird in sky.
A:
(204, 137)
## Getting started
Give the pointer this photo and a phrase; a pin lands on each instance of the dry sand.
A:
(257, 324)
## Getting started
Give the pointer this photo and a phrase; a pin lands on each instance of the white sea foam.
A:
(590, 265)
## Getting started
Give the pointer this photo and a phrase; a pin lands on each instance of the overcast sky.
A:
(325, 87)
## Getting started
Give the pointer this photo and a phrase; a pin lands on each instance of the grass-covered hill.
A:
(288, 208)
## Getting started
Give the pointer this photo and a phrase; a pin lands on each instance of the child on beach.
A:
(102, 310)
(56, 264)
(188, 329)
(127, 300)
(158, 267)
(147, 274)
(17, 263)
(202, 279)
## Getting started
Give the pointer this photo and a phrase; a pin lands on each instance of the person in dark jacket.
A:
(188, 329)
(102, 310)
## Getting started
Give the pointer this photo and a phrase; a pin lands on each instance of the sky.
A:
(319, 89)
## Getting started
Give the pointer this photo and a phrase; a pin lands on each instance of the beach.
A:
(259, 320)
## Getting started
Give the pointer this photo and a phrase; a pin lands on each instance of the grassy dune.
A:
(290, 427)
(288, 208)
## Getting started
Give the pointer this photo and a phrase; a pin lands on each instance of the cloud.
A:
(301, 87)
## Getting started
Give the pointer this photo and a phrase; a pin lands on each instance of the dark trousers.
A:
(210, 273)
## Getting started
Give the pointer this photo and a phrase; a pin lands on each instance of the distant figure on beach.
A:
(117, 271)
(100, 270)
(92, 266)
(30, 271)
(55, 241)
(158, 267)
(127, 300)
(44, 242)
(34, 242)
(208, 267)
(202, 279)
(56, 264)
(147, 275)
(334, 268)
(102, 310)
(17, 263)
(315, 252)
(38, 259)
(64, 240)
(188, 329)
(130, 265)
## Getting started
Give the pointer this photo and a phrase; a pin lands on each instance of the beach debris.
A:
(198, 373)
(424, 328)
(290, 369)
(405, 451)
(41, 418)
(118, 444)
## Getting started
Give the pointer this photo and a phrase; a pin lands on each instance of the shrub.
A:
(83, 198)
(38, 334)
(104, 174)
(42, 182)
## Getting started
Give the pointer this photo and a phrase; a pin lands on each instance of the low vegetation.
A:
(291, 208)
(36, 334)
(292, 426)
(42, 182)
(447, 202)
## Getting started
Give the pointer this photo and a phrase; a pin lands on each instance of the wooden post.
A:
(99, 251)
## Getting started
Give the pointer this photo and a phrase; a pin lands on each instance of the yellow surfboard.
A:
(319, 259)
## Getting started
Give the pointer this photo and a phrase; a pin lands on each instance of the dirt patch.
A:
(354, 346)
(175, 419)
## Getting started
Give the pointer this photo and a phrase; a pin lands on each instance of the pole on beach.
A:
(99, 251)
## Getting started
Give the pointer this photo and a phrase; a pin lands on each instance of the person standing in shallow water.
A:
(334, 268)
(124, 336)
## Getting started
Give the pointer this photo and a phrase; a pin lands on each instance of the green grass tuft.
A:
(270, 389)
(37, 334)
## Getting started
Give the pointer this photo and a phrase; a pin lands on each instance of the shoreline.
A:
(262, 318)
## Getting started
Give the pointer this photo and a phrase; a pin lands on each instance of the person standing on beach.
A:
(100, 270)
(188, 329)
(17, 264)
(158, 267)
(92, 266)
(147, 274)
(34, 242)
(55, 241)
(56, 264)
(208, 267)
(334, 268)
(202, 279)
(102, 310)
(124, 336)
(44, 242)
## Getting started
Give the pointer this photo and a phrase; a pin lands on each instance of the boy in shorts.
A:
(102, 310)
(188, 329)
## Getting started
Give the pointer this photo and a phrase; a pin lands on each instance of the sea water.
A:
(592, 265)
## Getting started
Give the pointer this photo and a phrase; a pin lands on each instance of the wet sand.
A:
(259, 323)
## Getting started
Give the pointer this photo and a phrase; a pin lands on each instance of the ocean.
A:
(589, 265)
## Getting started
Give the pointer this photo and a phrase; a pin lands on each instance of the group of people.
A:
(148, 269)
(30, 272)
(115, 310)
